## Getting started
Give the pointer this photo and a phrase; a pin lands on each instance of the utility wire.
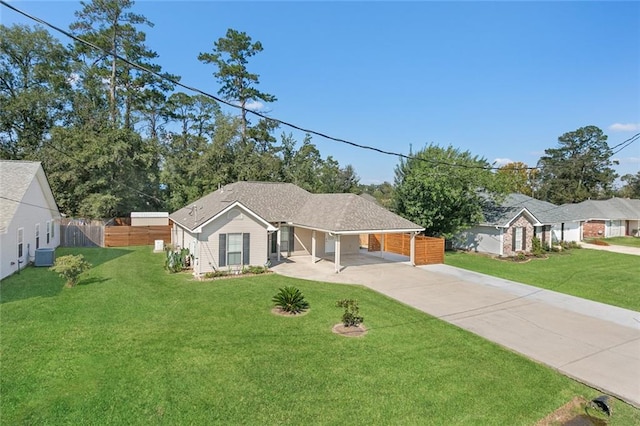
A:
(29, 204)
(232, 105)
(622, 145)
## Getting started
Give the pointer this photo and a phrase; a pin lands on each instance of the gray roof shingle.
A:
(286, 202)
(611, 209)
(504, 213)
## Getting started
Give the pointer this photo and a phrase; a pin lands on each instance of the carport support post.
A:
(382, 246)
(313, 246)
(413, 249)
(279, 237)
(337, 253)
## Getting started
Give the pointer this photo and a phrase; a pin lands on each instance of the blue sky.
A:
(500, 79)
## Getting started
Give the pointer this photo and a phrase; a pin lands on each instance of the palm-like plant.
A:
(291, 300)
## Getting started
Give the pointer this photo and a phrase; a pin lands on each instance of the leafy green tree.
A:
(443, 189)
(230, 56)
(34, 85)
(518, 177)
(383, 193)
(632, 187)
(103, 172)
(578, 169)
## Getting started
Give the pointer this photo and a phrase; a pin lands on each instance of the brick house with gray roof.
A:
(250, 223)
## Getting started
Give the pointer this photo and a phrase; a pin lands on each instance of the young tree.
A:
(231, 55)
(34, 84)
(578, 169)
(443, 189)
(518, 177)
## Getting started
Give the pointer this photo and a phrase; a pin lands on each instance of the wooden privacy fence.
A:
(123, 236)
(429, 250)
(95, 233)
(81, 233)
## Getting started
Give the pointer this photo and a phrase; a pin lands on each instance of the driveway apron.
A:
(594, 343)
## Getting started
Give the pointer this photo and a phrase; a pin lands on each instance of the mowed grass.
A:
(617, 241)
(132, 344)
(606, 277)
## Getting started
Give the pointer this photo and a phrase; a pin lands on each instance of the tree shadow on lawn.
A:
(41, 282)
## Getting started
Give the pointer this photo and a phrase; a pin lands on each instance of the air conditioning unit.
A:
(45, 257)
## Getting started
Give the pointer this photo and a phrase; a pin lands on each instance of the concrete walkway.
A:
(594, 343)
(614, 249)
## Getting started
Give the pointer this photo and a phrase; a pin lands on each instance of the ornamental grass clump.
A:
(70, 267)
(290, 300)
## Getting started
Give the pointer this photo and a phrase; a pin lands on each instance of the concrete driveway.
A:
(594, 343)
(614, 249)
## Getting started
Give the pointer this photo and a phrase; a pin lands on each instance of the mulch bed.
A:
(353, 331)
(278, 311)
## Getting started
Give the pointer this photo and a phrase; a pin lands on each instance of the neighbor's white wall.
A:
(481, 239)
(615, 228)
(571, 232)
(26, 217)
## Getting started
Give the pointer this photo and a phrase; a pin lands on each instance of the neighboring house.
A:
(615, 217)
(250, 223)
(29, 216)
(509, 227)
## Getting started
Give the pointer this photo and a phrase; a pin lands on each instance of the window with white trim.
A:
(37, 236)
(234, 249)
(20, 242)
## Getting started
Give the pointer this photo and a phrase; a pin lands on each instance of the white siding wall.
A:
(571, 232)
(482, 239)
(349, 244)
(302, 242)
(614, 228)
(234, 222)
(26, 217)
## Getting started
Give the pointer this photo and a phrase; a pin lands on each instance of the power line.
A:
(232, 105)
(622, 145)
(29, 204)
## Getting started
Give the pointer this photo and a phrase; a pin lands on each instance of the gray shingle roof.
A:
(349, 212)
(504, 213)
(611, 209)
(15, 178)
(286, 202)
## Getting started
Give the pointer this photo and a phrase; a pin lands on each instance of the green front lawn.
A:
(617, 241)
(132, 344)
(602, 276)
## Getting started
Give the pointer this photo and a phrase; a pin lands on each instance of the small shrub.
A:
(520, 257)
(254, 270)
(290, 299)
(568, 245)
(350, 317)
(70, 267)
(177, 260)
(216, 274)
(536, 246)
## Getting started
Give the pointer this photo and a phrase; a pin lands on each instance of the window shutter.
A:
(222, 250)
(291, 239)
(524, 239)
(513, 239)
(246, 247)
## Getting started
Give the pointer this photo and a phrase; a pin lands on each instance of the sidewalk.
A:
(615, 249)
